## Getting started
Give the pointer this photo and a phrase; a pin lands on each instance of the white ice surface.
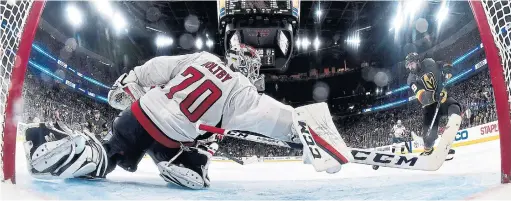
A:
(474, 171)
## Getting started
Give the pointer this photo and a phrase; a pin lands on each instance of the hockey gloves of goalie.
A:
(125, 91)
(53, 153)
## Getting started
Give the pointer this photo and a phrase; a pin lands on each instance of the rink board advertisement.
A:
(262, 159)
(478, 134)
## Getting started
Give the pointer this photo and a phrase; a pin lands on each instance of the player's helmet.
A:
(398, 122)
(412, 61)
(244, 59)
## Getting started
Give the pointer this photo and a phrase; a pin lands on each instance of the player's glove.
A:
(447, 71)
(428, 97)
(442, 97)
(125, 91)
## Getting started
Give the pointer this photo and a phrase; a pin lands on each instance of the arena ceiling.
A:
(339, 21)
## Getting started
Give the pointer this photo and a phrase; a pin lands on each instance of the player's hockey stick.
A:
(365, 156)
(434, 118)
(375, 167)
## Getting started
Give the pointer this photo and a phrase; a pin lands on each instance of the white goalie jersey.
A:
(198, 88)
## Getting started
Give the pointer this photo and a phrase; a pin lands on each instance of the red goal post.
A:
(494, 21)
(19, 21)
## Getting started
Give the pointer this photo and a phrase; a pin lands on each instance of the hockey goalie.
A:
(184, 92)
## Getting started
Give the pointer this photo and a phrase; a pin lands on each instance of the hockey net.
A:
(19, 20)
(494, 21)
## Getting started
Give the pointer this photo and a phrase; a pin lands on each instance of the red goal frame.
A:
(499, 87)
(16, 86)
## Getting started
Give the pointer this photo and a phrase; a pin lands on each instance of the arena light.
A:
(74, 15)
(198, 43)
(163, 41)
(412, 7)
(104, 7)
(398, 19)
(442, 12)
(209, 43)
(305, 43)
(298, 43)
(119, 22)
(317, 43)
(353, 40)
(319, 12)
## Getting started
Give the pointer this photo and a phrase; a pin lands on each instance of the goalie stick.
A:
(232, 158)
(365, 156)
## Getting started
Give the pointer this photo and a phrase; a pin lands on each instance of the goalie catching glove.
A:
(125, 91)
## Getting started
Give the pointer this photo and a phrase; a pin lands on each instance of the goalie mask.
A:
(244, 59)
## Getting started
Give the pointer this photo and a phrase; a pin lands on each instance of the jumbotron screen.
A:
(242, 7)
(251, 7)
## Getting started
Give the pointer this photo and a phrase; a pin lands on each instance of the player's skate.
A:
(450, 155)
(323, 145)
(189, 167)
(427, 151)
(53, 151)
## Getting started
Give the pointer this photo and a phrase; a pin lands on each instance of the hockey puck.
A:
(450, 155)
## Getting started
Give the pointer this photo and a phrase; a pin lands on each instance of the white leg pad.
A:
(323, 144)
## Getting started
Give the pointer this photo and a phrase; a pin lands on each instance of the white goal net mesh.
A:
(498, 14)
(13, 18)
